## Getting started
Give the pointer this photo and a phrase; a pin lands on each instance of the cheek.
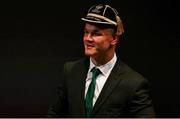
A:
(103, 45)
(84, 38)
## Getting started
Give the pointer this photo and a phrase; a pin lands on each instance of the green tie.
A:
(90, 92)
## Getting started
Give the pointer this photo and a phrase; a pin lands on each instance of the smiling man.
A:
(99, 43)
(100, 84)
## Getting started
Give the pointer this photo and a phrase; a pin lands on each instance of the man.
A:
(114, 89)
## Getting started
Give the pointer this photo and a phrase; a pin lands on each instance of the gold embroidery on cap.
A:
(102, 17)
(97, 9)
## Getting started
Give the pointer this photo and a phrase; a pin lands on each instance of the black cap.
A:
(101, 14)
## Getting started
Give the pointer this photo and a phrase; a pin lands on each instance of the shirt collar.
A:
(106, 67)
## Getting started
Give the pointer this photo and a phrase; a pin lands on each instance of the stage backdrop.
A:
(37, 38)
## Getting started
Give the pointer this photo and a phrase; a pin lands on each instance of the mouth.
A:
(89, 46)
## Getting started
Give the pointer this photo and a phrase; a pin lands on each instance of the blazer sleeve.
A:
(140, 105)
(60, 107)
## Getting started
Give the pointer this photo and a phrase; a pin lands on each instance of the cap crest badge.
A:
(97, 9)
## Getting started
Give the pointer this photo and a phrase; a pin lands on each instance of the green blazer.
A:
(125, 93)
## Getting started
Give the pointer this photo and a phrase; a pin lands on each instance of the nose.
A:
(88, 37)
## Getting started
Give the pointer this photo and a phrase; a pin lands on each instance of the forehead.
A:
(92, 26)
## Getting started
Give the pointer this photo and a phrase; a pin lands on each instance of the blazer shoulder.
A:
(132, 75)
(69, 65)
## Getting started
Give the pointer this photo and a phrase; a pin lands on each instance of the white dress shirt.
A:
(101, 78)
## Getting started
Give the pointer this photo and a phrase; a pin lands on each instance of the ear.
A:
(114, 39)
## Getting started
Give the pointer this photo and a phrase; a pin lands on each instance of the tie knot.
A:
(95, 71)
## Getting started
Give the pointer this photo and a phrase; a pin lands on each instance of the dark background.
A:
(36, 38)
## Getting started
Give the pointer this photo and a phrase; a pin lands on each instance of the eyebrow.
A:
(94, 30)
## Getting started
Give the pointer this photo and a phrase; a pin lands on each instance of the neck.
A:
(103, 59)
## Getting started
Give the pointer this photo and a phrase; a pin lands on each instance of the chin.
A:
(89, 53)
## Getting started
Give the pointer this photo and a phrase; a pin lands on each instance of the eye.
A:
(96, 34)
(86, 32)
(93, 33)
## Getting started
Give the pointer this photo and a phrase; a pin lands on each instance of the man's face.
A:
(98, 41)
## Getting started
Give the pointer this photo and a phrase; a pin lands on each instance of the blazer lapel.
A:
(79, 84)
(109, 86)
